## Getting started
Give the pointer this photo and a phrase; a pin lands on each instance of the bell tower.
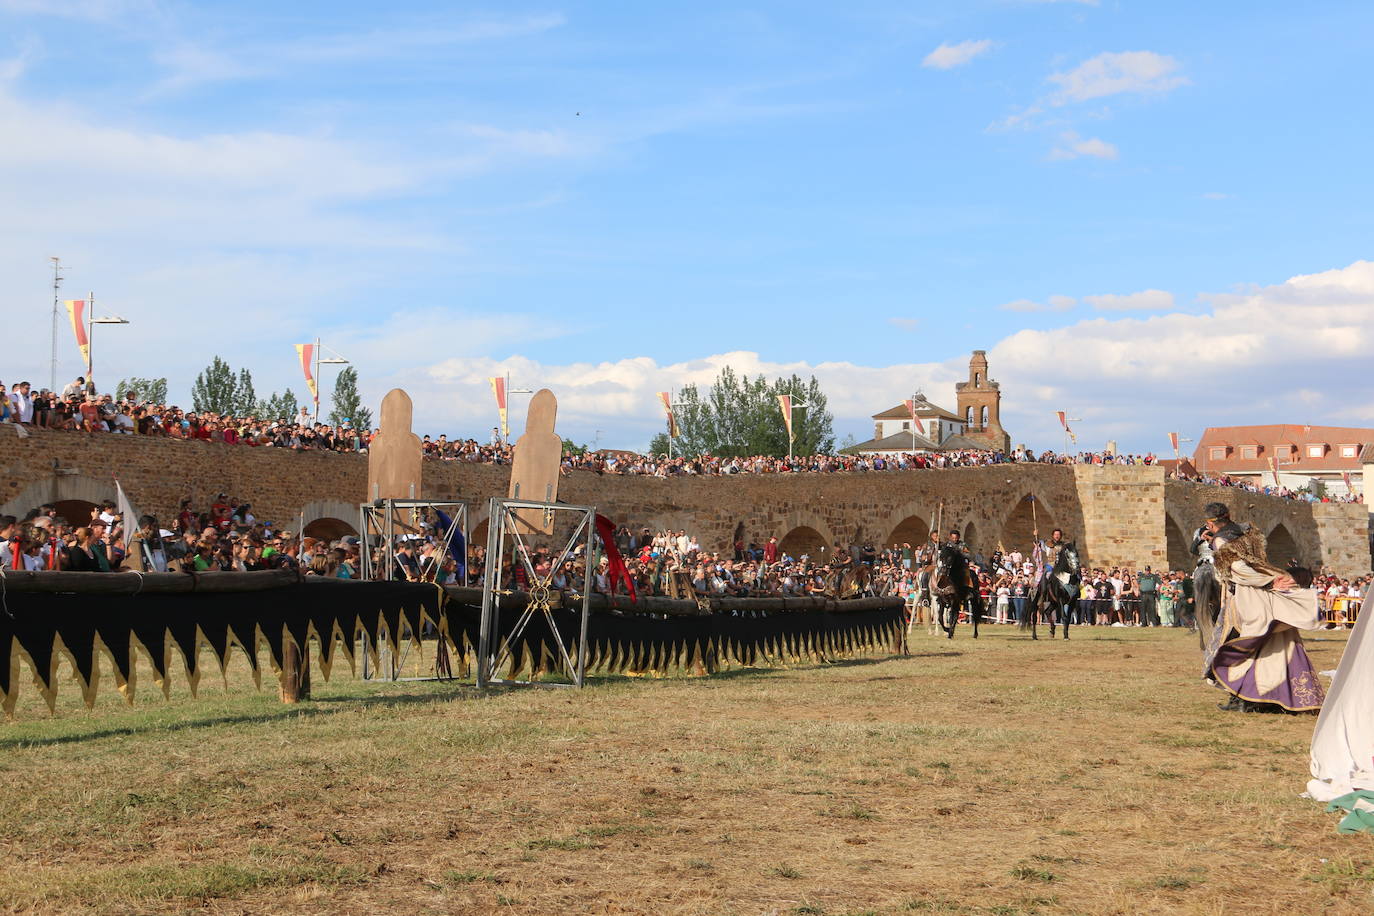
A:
(980, 402)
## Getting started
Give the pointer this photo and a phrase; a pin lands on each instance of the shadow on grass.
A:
(309, 709)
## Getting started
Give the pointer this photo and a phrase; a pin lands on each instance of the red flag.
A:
(915, 420)
(1173, 440)
(76, 311)
(673, 430)
(785, 402)
(1063, 419)
(1274, 466)
(498, 388)
(618, 571)
(306, 354)
(1349, 487)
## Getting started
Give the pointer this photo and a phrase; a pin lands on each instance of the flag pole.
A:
(90, 342)
(317, 380)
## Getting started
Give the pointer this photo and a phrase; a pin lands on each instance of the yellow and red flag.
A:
(498, 388)
(785, 402)
(673, 429)
(1274, 466)
(306, 353)
(1349, 485)
(76, 311)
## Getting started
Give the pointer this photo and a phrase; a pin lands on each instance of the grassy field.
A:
(997, 776)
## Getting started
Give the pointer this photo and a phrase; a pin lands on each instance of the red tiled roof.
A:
(1267, 437)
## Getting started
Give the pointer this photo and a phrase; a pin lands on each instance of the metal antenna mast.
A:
(56, 304)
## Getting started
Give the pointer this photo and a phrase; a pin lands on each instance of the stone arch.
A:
(911, 530)
(1281, 546)
(479, 533)
(328, 528)
(803, 539)
(970, 537)
(1029, 514)
(1176, 544)
(61, 488)
(325, 518)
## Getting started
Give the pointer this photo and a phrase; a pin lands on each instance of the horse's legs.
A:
(1064, 609)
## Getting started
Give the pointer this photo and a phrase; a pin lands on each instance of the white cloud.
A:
(1054, 303)
(1232, 364)
(1215, 195)
(1072, 146)
(1129, 378)
(1147, 300)
(906, 324)
(190, 64)
(1108, 74)
(1113, 73)
(94, 10)
(948, 56)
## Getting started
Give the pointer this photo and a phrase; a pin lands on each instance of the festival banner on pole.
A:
(498, 389)
(673, 430)
(1064, 422)
(1173, 440)
(915, 420)
(1274, 467)
(306, 354)
(76, 311)
(785, 402)
(1349, 486)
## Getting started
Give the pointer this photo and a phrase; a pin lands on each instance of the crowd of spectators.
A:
(78, 407)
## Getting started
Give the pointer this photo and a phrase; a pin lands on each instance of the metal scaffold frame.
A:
(382, 522)
(502, 524)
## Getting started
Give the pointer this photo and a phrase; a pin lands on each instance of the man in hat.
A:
(1256, 653)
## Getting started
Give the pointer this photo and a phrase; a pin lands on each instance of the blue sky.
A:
(1117, 200)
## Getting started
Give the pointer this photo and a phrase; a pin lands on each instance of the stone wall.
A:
(1119, 515)
(1335, 535)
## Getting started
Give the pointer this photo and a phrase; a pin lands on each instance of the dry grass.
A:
(1000, 776)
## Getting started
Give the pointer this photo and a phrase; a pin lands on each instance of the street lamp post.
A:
(335, 360)
(90, 339)
(510, 391)
(795, 405)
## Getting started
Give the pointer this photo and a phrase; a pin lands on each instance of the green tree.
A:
(215, 389)
(741, 416)
(572, 448)
(147, 390)
(347, 404)
(278, 406)
(658, 445)
(245, 398)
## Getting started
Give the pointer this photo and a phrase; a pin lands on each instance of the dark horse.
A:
(954, 587)
(1056, 592)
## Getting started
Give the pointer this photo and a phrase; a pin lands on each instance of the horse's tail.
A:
(1032, 608)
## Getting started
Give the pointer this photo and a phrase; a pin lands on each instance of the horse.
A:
(954, 587)
(853, 581)
(1056, 592)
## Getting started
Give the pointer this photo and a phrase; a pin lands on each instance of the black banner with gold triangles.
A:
(170, 617)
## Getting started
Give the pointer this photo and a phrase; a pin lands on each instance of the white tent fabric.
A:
(1343, 742)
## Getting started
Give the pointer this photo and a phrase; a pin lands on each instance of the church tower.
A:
(980, 402)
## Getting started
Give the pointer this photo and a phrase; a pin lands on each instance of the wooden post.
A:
(295, 672)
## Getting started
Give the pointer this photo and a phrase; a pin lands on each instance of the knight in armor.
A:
(1256, 652)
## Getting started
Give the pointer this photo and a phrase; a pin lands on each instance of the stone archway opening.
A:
(1281, 546)
(971, 538)
(76, 512)
(1176, 544)
(803, 540)
(911, 530)
(328, 529)
(478, 536)
(1028, 516)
